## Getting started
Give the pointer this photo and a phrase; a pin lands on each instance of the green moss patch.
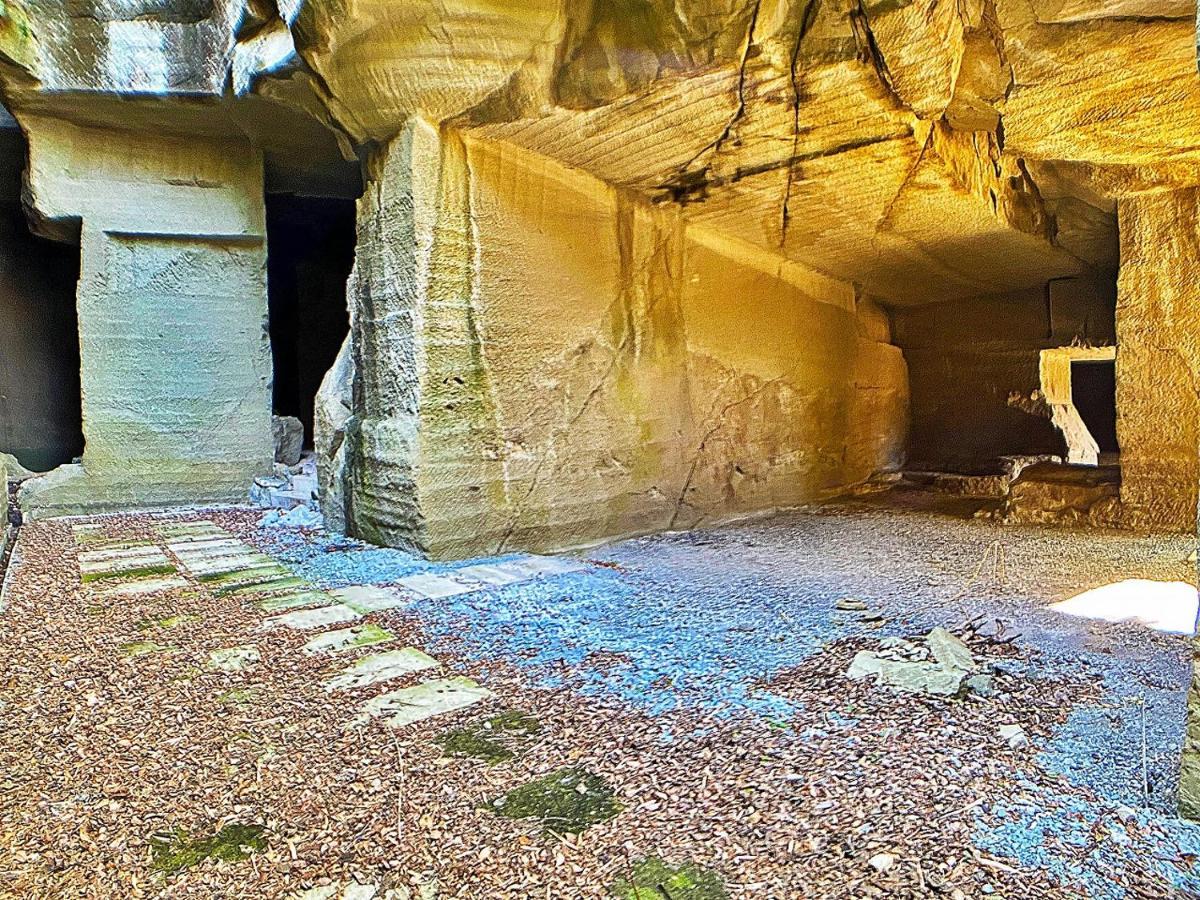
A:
(568, 800)
(144, 648)
(135, 574)
(653, 879)
(492, 741)
(174, 851)
(165, 622)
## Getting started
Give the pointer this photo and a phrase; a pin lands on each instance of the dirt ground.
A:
(692, 684)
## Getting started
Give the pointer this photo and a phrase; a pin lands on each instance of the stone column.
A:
(420, 450)
(1158, 359)
(175, 356)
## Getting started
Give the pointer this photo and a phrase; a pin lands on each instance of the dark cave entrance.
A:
(310, 251)
(1094, 393)
(41, 416)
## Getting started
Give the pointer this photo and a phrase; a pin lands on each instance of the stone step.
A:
(348, 639)
(365, 598)
(428, 699)
(381, 667)
(308, 619)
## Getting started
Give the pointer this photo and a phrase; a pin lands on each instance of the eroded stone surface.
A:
(381, 667)
(307, 619)
(348, 639)
(428, 699)
(234, 659)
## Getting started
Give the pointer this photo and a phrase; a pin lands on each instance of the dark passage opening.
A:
(1094, 392)
(310, 250)
(41, 420)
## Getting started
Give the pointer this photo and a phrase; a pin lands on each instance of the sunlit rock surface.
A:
(637, 265)
(621, 266)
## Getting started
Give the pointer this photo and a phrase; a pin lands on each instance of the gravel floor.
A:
(699, 674)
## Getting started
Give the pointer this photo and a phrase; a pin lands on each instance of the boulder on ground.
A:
(288, 433)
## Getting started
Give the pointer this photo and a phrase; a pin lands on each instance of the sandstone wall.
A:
(544, 361)
(973, 369)
(1158, 359)
(172, 315)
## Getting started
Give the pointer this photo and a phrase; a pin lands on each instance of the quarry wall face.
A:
(579, 364)
(619, 267)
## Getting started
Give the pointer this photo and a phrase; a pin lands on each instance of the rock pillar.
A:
(175, 356)
(420, 449)
(1158, 359)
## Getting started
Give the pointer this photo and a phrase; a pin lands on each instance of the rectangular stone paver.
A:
(136, 588)
(548, 565)
(426, 700)
(381, 667)
(493, 575)
(234, 659)
(183, 531)
(365, 599)
(306, 619)
(279, 584)
(130, 550)
(202, 549)
(295, 600)
(243, 579)
(136, 562)
(515, 571)
(434, 586)
(348, 639)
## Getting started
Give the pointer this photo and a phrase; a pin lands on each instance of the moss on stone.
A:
(174, 851)
(143, 648)
(129, 574)
(653, 879)
(236, 696)
(165, 622)
(491, 740)
(568, 800)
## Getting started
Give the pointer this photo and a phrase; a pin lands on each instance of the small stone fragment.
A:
(950, 651)
(881, 862)
(233, 659)
(1014, 736)
(851, 604)
(982, 685)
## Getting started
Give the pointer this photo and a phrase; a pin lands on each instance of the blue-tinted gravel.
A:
(703, 619)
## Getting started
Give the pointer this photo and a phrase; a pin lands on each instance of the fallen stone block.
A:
(949, 651)
(288, 435)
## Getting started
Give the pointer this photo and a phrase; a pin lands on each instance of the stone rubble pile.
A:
(942, 665)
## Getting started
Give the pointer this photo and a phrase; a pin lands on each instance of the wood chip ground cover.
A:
(100, 752)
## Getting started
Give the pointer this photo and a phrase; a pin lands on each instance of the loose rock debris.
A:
(944, 666)
(792, 799)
